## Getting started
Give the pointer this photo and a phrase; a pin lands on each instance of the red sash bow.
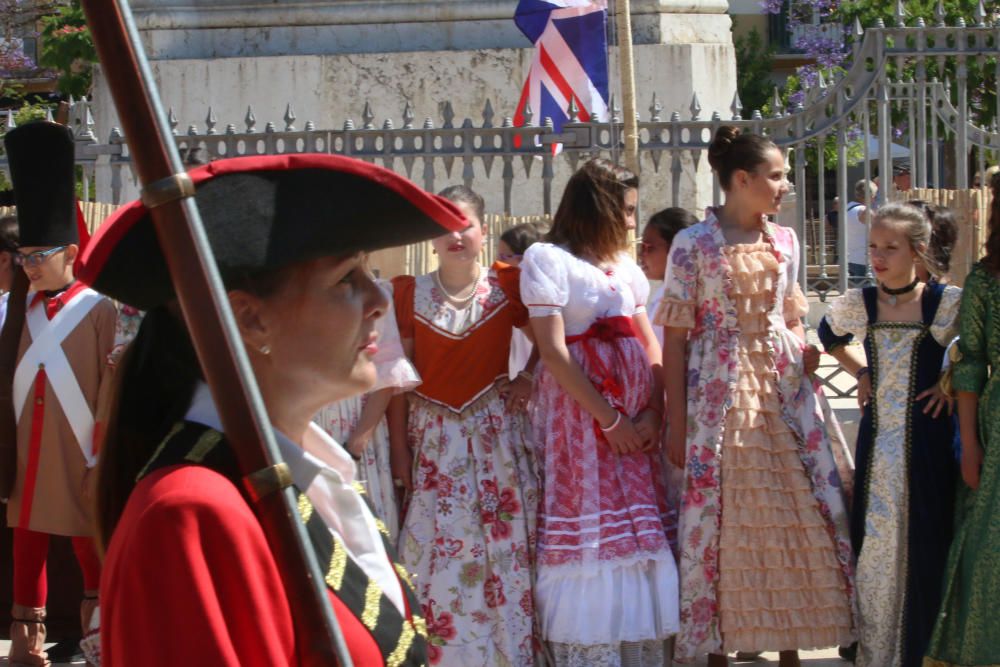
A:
(606, 330)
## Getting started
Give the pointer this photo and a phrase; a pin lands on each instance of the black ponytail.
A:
(155, 382)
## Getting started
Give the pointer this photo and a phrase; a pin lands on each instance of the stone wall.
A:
(337, 56)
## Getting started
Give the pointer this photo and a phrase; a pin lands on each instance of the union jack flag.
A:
(570, 62)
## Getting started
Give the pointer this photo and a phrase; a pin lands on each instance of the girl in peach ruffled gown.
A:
(765, 556)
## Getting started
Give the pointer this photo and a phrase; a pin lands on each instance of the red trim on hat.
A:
(107, 236)
(84, 234)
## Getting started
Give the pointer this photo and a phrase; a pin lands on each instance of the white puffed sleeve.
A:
(847, 315)
(637, 282)
(795, 305)
(544, 280)
(944, 328)
(392, 368)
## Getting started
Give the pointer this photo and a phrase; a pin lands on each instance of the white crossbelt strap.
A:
(46, 352)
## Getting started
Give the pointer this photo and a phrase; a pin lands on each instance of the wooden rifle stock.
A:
(213, 331)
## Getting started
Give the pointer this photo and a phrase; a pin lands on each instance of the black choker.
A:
(894, 293)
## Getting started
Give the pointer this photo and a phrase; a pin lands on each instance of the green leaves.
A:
(68, 48)
(754, 64)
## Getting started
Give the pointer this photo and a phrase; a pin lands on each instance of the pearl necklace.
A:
(459, 301)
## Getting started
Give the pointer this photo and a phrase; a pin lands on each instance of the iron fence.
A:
(942, 144)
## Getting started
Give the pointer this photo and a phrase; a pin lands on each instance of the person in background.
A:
(857, 227)
(510, 249)
(901, 522)
(8, 257)
(607, 581)
(967, 631)
(515, 241)
(901, 177)
(652, 252)
(765, 555)
(654, 248)
(61, 385)
(944, 235)
(982, 180)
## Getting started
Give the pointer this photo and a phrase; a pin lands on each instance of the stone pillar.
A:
(328, 59)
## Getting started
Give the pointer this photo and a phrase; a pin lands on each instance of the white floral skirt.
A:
(374, 472)
(468, 535)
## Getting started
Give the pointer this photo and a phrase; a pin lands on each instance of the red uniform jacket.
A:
(189, 580)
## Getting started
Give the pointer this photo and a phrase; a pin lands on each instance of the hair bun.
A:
(721, 144)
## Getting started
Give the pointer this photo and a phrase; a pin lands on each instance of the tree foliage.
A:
(68, 48)
(18, 22)
(754, 64)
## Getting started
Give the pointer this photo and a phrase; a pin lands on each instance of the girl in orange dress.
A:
(468, 535)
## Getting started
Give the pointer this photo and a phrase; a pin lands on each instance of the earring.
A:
(265, 349)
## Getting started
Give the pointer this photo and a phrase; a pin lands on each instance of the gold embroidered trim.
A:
(358, 487)
(305, 508)
(421, 625)
(373, 596)
(403, 574)
(159, 449)
(381, 526)
(206, 443)
(338, 563)
(398, 654)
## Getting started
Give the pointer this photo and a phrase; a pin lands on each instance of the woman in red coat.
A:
(189, 578)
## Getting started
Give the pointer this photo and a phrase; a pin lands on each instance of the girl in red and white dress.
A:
(468, 534)
(607, 582)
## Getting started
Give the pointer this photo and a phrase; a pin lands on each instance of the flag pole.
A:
(611, 39)
(626, 68)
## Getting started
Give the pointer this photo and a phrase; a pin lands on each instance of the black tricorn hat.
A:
(264, 213)
(40, 157)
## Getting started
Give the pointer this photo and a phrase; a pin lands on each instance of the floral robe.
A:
(698, 288)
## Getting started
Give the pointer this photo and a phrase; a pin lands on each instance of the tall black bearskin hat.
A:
(40, 156)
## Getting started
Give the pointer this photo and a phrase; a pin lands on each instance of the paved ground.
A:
(826, 658)
(5, 648)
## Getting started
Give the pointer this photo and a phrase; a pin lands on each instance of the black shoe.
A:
(67, 650)
(848, 653)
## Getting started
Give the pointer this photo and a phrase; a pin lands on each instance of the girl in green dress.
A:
(968, 627)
